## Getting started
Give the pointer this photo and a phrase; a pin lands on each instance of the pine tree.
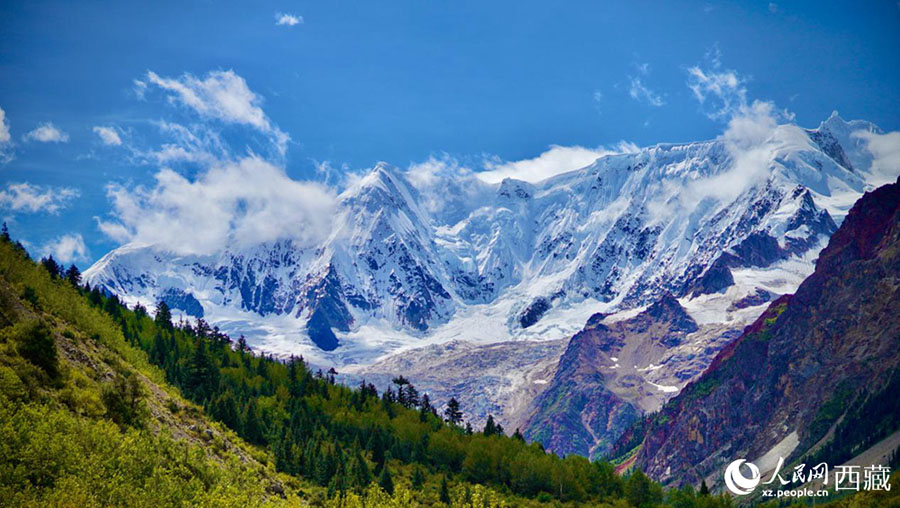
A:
(385, 481)
(452, 413)
(412, 396)
(489, 427)
(425, 408)
(163, 317)
(362, 476)
(73, 275)
(704, 489)
(376, 445)
(225, 410)
(418, 478)
(51, 266)
(202, 380)
(253, 425)
(445, 491)
(37, 346)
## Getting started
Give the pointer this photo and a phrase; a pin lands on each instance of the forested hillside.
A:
(105, 405)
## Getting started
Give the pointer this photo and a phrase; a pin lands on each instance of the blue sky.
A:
(93, 93)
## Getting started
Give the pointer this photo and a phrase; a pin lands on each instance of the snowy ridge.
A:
(523, 261)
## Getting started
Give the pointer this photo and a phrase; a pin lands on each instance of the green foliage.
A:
(873, 415)
(36, 345)
(124, 400)
(828, 413)
(641, 492)
(385, 481)
(704, 387)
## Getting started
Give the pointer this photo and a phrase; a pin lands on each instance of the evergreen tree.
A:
(412, 396)
(253, 425)
(445, 491)
(418, 478)
(202, 380)
(490, 428)
(425, 408)
(124, 400)
(362, 476)
(453, 413)
(96, 298)
(376, 445)
(4, 234)
(704, 489)
(225, 410)
(385, 481)
(73, 275)
(518, 435)
(641, 492)
(51, 266)
(163, 317)
(36, 345)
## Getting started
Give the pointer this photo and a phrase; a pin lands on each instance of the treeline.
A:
(343, 438)
(872, 416)
(349, 439)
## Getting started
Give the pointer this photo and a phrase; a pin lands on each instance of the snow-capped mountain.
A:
(520, 260)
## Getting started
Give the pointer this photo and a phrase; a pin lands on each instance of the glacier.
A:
(612, 236)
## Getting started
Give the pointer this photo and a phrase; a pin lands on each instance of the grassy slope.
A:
(58, 444)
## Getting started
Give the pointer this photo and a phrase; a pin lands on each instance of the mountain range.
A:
(665, 253)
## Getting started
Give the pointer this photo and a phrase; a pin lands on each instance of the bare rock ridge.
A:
(823, 362)
(599, 389)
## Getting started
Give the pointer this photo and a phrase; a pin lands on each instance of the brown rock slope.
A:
(816, 374)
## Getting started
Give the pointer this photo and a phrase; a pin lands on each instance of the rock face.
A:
(184, 301)
(619, 233)
(533, 313)
(613, 372)
(821, 359)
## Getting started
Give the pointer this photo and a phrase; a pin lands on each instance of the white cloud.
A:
(47, 133)
(448, 189)
(243, 202)
(4, 128)
(556, 160)
(108, 135)
(885, 150)
(223, 96)
(6, 154)
(747, 140)
(639, 91)
(722, 93)
(25, 197)
(66, 248)
(197, 144)
(287, 19)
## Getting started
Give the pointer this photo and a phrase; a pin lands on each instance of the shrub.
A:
(36, 345)
(124, 400)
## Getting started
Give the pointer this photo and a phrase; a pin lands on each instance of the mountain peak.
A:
(667, 309)
(512, 188)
